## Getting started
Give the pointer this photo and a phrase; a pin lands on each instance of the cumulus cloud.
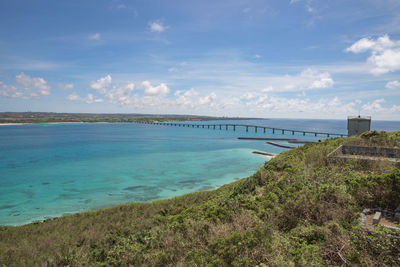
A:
(29, 83)
(395, 109)
(384, 53)
(284, 105)
(308, 79)
(208, 99)
(101, 84)
(268, 89)
(89, 99)
(121, 95)
(27, 87)
(247, 96)
(10, 91)
(374, 107)
(73, 97)
(157, 26)
(191, 99)
(393, 85)
(318, 80)
(95, 36)
(154, 91)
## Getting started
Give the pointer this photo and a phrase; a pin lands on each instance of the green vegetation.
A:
(301, 209)
(48, 117)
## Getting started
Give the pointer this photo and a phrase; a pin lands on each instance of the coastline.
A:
(64, 122)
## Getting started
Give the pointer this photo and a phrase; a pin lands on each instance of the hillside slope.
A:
(300, 209)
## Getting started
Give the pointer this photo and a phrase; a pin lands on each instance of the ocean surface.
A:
(50, 170)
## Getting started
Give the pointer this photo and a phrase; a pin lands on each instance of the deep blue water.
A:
(49, 170)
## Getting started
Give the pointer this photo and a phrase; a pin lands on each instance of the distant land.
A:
(51, 117)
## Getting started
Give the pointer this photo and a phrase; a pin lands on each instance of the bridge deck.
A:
(247, 126)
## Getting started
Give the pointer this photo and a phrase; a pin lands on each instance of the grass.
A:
(300, 209)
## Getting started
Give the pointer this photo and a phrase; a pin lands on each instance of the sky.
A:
(249, 58)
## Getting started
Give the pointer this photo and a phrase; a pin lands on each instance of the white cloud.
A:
(395, 109)
(247, 96)
(121, 95)
(208, 99)
(73, 97)
(319, 80)
(191, 93)
(268, 89)
(308, 79)
(31, 87)
(361, 45)
(283, 105)
(10, 91)
(384, 53)
(157, 26)
(101, 84)
(374, 107)
(89, 99)
(154, 91)
(33, 83)
(393, 85)
(95, 36)
(66, 86)
(257, 56)
(190, 99)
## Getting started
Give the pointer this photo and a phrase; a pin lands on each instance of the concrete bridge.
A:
(246, 126)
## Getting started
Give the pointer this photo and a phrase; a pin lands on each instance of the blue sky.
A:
(286, 58)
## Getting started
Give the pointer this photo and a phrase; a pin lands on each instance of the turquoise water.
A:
(49, 170)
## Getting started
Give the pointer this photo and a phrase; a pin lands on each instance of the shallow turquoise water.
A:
(50, 170)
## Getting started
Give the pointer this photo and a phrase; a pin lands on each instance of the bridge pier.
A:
(316, 134)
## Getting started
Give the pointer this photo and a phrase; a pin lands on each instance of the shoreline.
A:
(61, 122)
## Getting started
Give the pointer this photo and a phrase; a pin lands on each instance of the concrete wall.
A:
(371, 151)
(356, 126)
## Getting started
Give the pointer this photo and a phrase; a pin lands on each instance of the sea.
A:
(52, 170)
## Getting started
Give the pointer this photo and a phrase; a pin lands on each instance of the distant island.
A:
(51, 117)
